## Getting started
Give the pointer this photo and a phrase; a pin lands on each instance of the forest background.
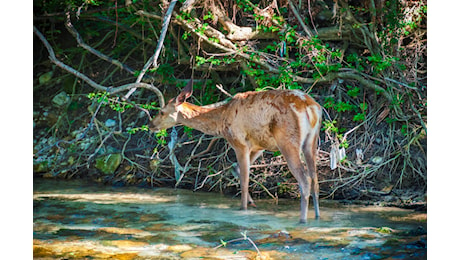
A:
(364, 61)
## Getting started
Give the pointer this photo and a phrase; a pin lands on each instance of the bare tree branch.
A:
(81, 43)
(153, 60)
(64, 66)
(347, 74)
(299, 19)
(111, 90)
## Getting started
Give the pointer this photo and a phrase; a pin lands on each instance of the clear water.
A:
(76, 220)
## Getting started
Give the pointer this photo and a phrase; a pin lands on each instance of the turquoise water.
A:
(77, 220)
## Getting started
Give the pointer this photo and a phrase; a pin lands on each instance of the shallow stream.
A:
(77, 220)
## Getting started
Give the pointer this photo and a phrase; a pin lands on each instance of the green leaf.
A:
(359, 117)
(353, 92)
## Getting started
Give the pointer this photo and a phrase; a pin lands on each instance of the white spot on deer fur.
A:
(304, 126)
(299, 93)
(310, 111)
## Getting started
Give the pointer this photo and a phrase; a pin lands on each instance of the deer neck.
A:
(206, 119)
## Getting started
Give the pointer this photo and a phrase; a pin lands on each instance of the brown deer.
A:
(276, 120)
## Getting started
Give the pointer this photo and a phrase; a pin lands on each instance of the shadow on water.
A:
(76, 220)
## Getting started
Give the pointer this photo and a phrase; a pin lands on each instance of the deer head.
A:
(167, 117)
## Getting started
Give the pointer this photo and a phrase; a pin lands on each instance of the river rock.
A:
(41, 167)
(61, 99)
(108, 163)
(377, 160)
(45, 77)
(110, 123)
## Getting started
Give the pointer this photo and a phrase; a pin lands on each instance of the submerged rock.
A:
(108, 163)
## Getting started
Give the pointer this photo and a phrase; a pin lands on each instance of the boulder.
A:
(108, 163)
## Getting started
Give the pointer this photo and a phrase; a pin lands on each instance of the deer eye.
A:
(161, 113)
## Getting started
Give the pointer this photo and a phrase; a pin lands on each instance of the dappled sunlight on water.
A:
(106, 198)
(76, 220)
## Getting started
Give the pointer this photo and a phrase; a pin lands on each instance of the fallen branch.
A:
(205, 151)
(110, 90)
(299, 19)
(85, 46)
(239, 33)
(193, 29)
(153, 60)
(122, 27)
(327, 78)
(350, 75)
(245, 237)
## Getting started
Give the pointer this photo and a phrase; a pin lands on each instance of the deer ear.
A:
(186, 93)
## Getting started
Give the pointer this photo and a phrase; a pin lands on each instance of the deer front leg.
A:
(252, 157)
(242, 155)
(292, 156)
(250, 200)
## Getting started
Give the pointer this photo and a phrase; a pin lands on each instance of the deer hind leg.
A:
(309, 151)
(292, 155)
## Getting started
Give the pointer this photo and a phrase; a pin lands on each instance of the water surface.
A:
(77, 220)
